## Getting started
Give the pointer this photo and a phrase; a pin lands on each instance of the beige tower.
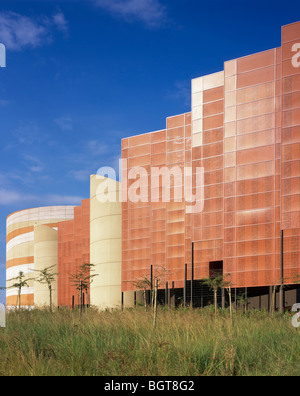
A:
(106, 242)
(20, 251)
(45, 256)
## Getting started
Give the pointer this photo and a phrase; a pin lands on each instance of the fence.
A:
(197, 294)
(202, 296)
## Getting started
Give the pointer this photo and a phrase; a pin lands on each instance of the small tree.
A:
(273, 301)
(146, 283)
(143, 284)
(46, 276)
(82, 280)
(227, 284)
(20, 284)
(214, 284)
(244, 301)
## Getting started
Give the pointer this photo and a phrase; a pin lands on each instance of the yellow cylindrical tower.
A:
(45, 256)
(106, 242)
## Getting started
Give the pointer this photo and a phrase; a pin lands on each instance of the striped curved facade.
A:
(20, 247)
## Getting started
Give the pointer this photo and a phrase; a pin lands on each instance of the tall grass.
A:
(184, 343)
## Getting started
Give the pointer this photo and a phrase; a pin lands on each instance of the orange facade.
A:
(73, 251)
(250, 153)
(155, 232)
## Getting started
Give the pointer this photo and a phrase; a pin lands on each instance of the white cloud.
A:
(151, 12)
(181, 91)
(93, 154)
(56, 199)
(28, 175)
(81, 175)
(96, 148)
(18, 32)
(34, 164)
(60, 22)
(8, 197)
(12, 197)
(65, 123)
(26, 134)
(4, 103)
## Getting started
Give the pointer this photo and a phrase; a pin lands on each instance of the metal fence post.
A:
(192, 276)
(185, 281)
(281, 293)
(166, 294)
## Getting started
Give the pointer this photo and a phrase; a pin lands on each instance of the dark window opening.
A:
(215, 269)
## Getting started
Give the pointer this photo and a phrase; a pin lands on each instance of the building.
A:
(244, 132)
(64, 238)
(30, 236)
(237, 155)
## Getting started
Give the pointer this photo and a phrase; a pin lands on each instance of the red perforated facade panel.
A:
(73, 251)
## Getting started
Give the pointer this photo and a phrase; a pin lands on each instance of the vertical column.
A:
(197, 161)
(188, 164)
(175, 209)
(230, 136)
(137, 216)
(105, 243)
(125, 223)
(211, 249)
(255, 169)
(66, 259)
(158, 209)
(197, 111)
(208, 122)
(278, 125)
(290, 150)
(45, 256)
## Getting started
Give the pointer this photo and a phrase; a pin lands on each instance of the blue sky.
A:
(83, 74)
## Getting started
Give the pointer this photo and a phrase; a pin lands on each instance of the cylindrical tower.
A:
(105, 242)
(20, 248)
(45, 256)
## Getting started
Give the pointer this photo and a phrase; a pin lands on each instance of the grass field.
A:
(184, 343)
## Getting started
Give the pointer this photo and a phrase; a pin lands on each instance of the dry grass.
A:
(184, 343)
